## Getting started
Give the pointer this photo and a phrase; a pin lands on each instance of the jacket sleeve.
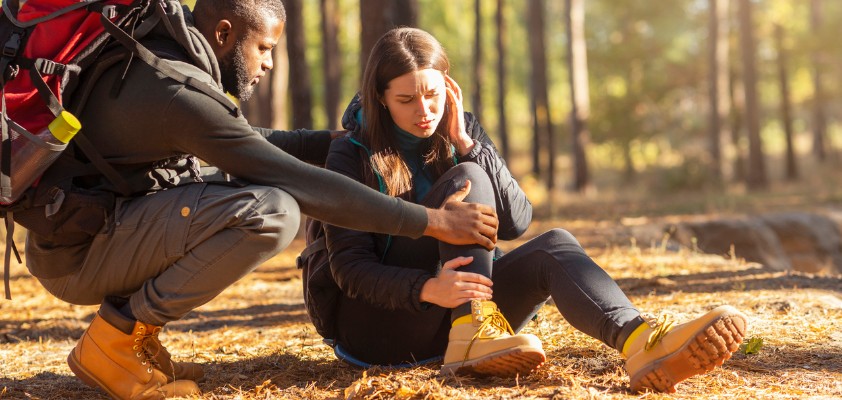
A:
(513, 208)
(306, 145)
(355, 261)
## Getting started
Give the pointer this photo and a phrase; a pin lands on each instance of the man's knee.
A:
(276, 214)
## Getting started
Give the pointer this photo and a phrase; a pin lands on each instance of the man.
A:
(179, 240)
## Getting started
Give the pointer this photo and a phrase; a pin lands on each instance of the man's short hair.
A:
(250, 11)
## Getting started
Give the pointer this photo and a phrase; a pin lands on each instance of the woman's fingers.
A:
(457, 262)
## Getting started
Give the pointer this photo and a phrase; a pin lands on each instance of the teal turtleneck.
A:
(412, 149)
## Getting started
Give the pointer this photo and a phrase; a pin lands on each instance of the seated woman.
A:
(405, 300)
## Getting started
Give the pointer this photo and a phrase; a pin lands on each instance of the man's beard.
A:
(234, 72)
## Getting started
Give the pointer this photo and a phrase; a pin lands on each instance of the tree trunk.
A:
(479, 70)
(819, 115)
(786, 107)
(738, 102)
(542, 125)
(378, 17)
(577, 59)
(299, 71)
(280, 87)
(405, 12)
(756, 178)
(500, 21)
(718, 83)
(331, 60)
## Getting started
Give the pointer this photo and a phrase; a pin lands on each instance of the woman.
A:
(405, 300)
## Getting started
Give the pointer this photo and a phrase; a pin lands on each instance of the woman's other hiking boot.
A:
(659, 355)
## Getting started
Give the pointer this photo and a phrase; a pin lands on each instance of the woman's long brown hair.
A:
(398, 52)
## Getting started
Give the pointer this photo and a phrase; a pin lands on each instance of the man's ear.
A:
(222, 34)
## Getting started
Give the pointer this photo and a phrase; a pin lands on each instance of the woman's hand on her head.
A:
(457, 222)
(451, 288)
(458, 134)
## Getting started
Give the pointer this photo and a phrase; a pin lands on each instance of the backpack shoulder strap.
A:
(156, 62)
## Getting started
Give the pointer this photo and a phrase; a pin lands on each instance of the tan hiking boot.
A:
(484, 344)
(175, 371)
(121, 363)
(660, 355)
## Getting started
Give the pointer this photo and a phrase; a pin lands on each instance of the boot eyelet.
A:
(135, 348)
(138, 355)
(149, 370)
(143, 362)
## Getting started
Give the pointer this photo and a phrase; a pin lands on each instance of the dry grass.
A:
(256, 342)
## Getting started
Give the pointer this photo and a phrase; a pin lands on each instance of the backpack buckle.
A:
(10, 49)
(109, 11)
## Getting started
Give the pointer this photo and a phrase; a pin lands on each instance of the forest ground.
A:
(256, 342)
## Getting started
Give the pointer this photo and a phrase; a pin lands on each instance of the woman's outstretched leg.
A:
(659, 355)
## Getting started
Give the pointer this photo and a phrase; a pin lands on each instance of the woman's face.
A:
(416, 101)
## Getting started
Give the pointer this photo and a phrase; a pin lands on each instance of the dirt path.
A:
(256, 342)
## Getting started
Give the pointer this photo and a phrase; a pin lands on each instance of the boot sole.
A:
(711, 347)
(83, 374)
(505, 363)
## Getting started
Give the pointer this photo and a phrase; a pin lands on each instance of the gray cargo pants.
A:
(174, 250)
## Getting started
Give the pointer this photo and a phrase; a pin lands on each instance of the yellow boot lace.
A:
(493, 325)
(660, 328)
(146, 347)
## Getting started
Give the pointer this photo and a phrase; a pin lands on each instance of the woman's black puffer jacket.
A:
(355, 257)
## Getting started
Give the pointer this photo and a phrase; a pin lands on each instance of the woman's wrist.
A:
(465, 145)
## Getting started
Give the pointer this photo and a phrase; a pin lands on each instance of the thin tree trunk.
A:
(299, 71)
(786, 107)
(542, 125)
(718, 83)
(577, 59)
(405, 13)
(819, 115)
(479, 70)
(738, 101)
(501, 80)
(331, 60)
(756, 178)
(280, 87)
(378, 17)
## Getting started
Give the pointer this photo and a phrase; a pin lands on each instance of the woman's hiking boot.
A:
(483, 343)
(659, 355)
(123, 362)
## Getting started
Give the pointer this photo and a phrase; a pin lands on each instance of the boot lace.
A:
(493, 326)
(146, 347)
(660, 328)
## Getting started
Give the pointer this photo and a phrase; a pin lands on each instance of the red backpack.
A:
(47, 47)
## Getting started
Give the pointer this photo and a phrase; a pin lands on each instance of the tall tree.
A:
(541, 124)
(378, 16)
(500, 21)
(299, 71)
(786, 107)
(577, 66)
(479, 70)
(331, 60)
(737, 111)
(756, 178)
(718, 82)
(819, 115)
(280, 87)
